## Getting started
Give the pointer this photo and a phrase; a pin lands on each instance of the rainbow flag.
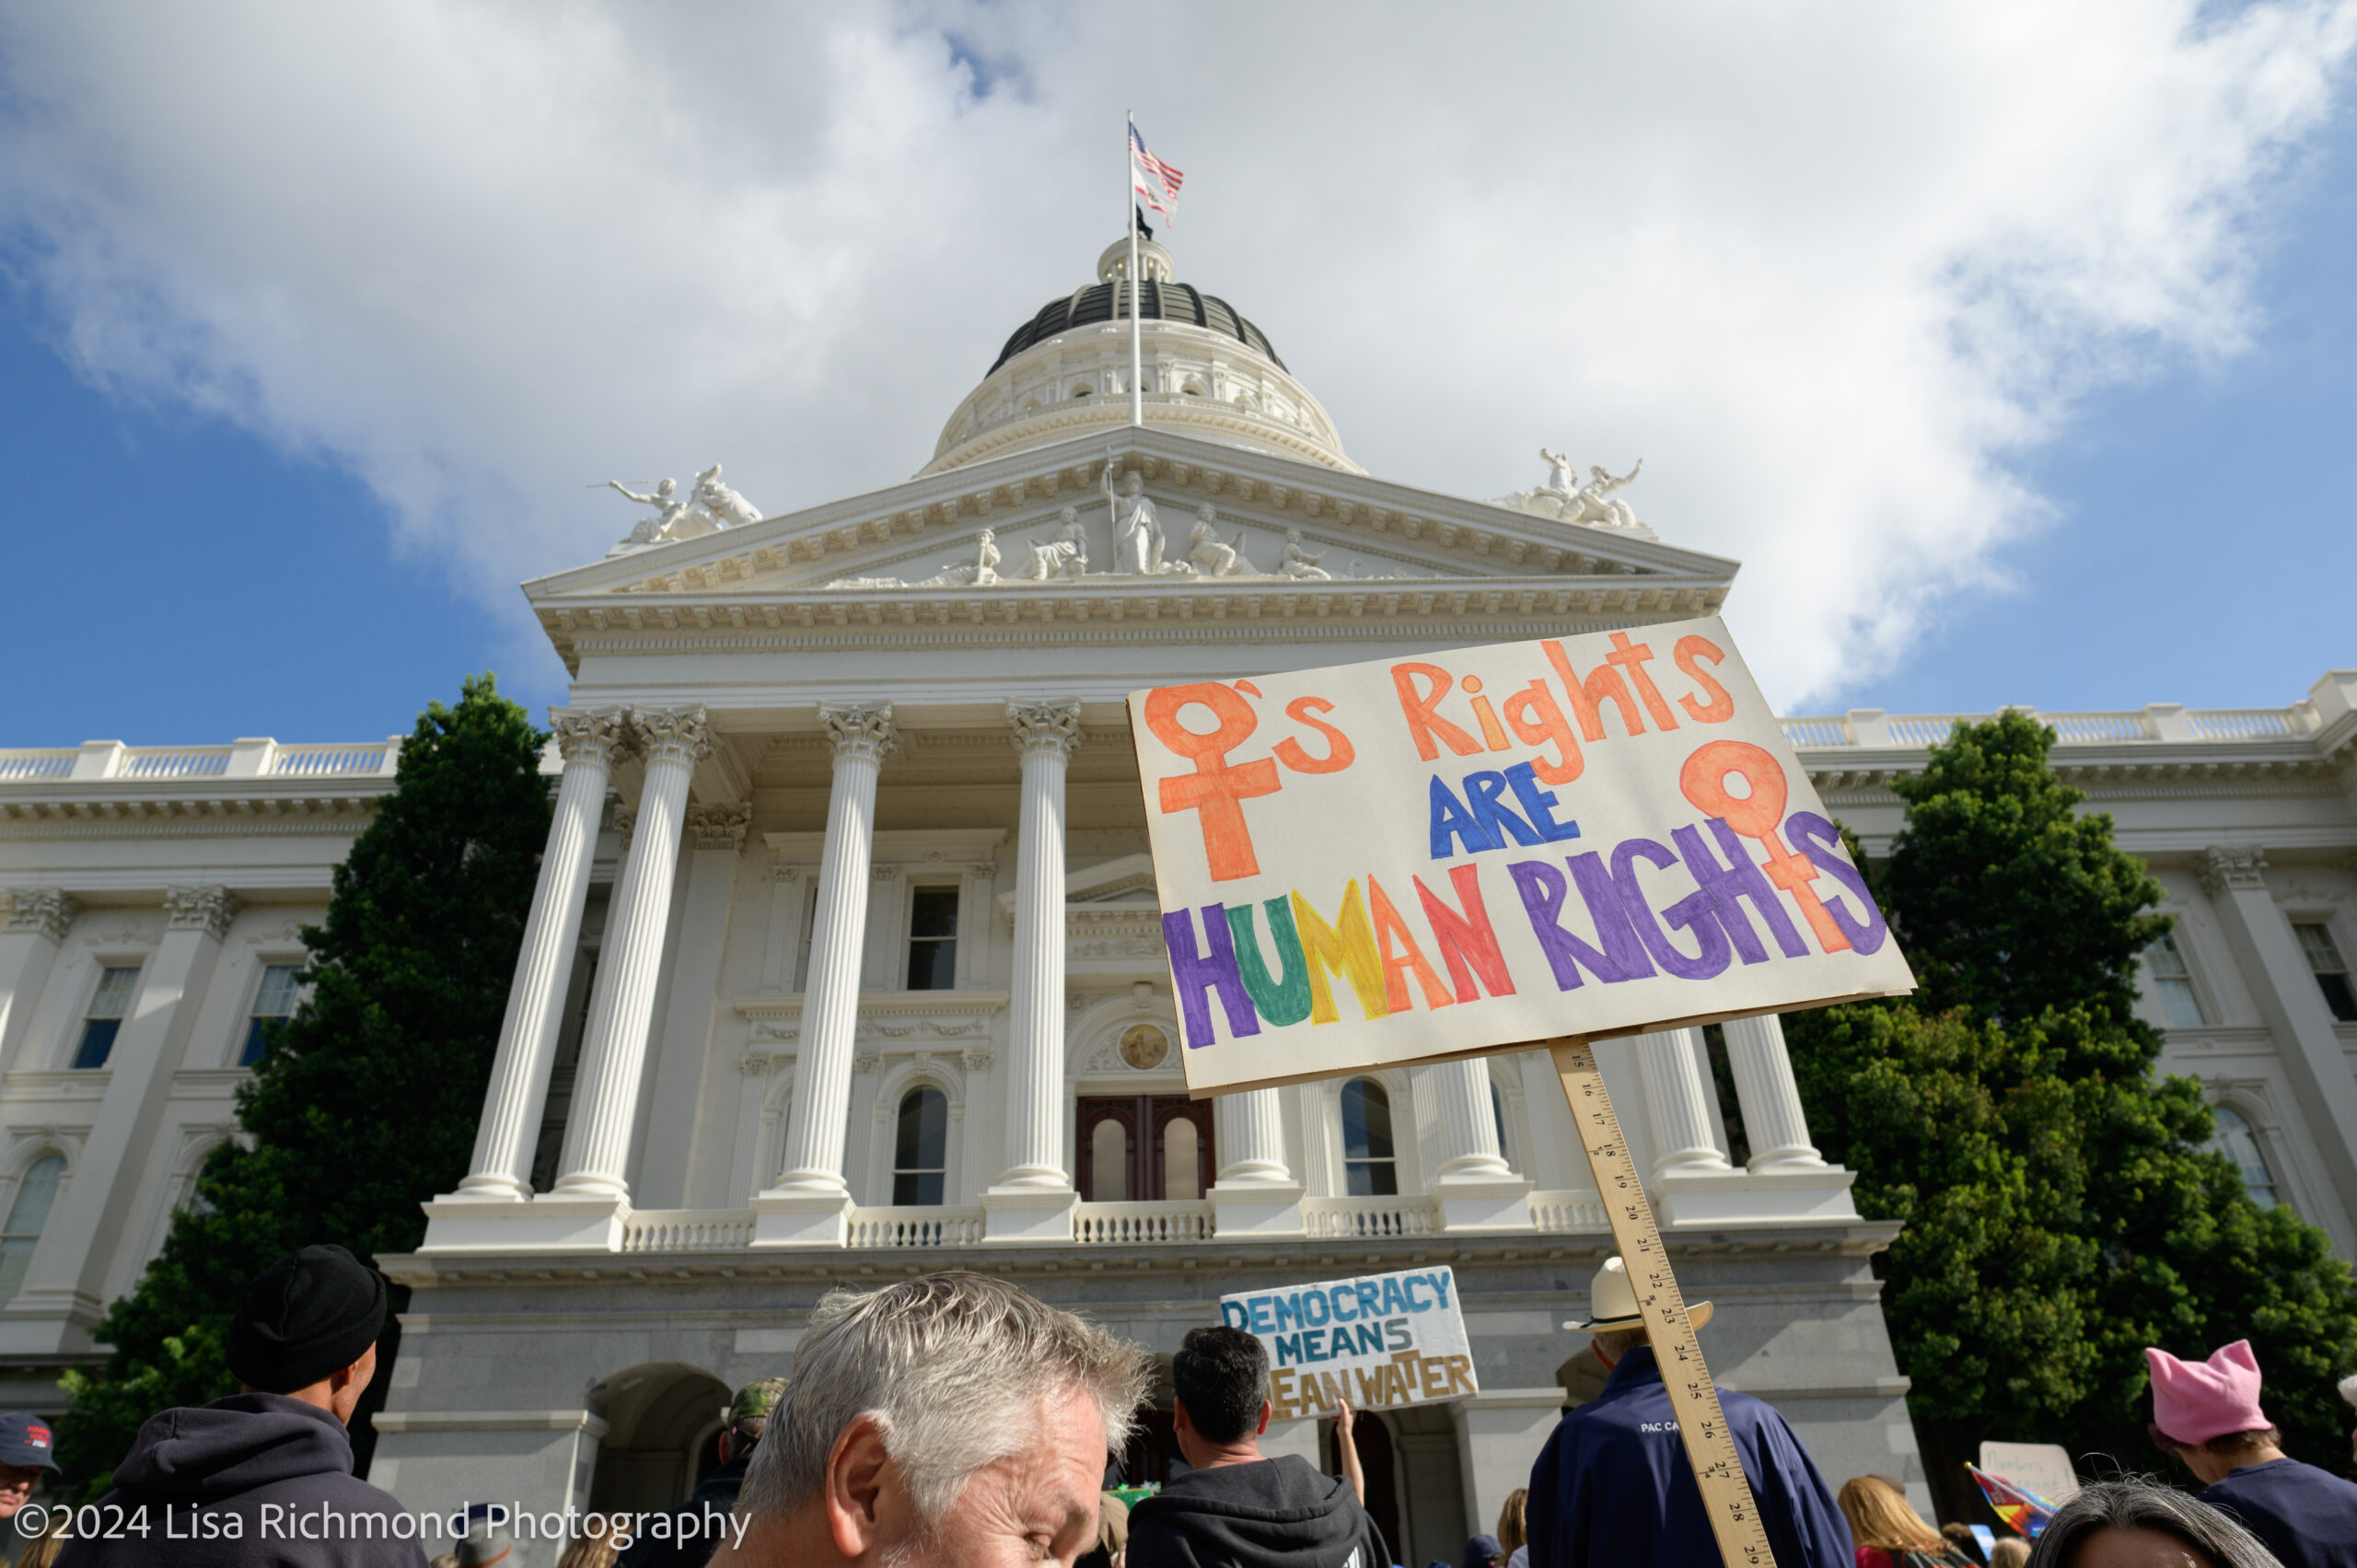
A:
(2025, 1512)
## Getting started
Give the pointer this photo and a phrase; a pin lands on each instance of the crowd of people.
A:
(955, 1419)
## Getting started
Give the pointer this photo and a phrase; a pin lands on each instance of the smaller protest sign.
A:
(1379, 1341)
(2042, 1468)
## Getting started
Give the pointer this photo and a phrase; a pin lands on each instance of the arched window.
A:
(26, 1216)
(1371, 1168)
(921, 1154)
(2235, 1140)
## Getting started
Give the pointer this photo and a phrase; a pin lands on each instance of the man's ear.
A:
(1181, 1421)
(854, 1495)
(1265, 1408)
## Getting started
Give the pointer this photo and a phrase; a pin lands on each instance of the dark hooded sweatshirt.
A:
(1279, 1511)
(275, 1472)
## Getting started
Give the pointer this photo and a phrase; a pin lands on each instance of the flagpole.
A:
(1137, 295)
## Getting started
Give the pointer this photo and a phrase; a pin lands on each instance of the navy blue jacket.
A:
(2306, 1516)
(1613, 1484)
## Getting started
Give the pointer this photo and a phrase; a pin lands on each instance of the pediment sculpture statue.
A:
(1565, 498)
(1209, 555)
(1137, 532)
(673, 518)
(1064, 554)
(1300, 564)
(978, 572)
(729, 508)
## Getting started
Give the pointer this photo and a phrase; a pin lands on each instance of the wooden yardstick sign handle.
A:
(1709, 1447)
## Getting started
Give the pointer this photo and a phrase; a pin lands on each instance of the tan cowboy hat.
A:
(1612, 1303)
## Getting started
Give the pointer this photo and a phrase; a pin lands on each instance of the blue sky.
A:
(258, 498)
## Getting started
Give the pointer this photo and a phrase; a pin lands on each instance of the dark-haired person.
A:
(24, 1444)
(1234, 1506)
(2206, 1412)
(1613, 1484)
(220, 1482)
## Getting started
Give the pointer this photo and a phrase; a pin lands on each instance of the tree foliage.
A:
(2063, 1209)
(365, 1102)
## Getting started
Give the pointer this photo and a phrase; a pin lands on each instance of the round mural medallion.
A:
(1144, 1046)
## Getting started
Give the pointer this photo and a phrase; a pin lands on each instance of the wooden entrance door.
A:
(1143, 1148)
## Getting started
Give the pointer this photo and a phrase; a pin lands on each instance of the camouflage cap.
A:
(755, 1400)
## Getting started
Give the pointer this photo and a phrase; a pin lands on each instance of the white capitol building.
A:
(845, 962)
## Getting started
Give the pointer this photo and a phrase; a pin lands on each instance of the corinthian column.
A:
(621, 1003)
(1773, 1117)
(806, 1206)
(1045, 733)
(519, 1072)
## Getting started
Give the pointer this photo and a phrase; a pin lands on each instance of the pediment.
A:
(910, 554)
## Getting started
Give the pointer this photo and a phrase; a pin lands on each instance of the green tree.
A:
(364, 1101)
(2063, 1209)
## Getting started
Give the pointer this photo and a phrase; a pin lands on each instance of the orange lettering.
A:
(1587, 698)
(1387, 926)
(1631, 657)
(1340, 752)
(1703, 781)
(1423, 724)
(1719, 707)
(1536, 718)
(1214, 791)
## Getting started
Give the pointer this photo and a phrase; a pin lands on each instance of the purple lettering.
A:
(1822, 841)
(1692, 914)
(1728, 884)
(1544, 892)
(1196, 974)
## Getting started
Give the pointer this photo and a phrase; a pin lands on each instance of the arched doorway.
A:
(662, 1421)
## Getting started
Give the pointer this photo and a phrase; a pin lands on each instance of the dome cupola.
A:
(1208, 370)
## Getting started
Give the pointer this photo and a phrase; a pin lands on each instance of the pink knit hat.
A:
(2196, 1401)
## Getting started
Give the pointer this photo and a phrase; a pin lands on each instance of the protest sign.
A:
(2042, 1468)
(1451, 853)
(1379, 1341)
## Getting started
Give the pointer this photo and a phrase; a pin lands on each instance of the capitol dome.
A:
(1209, 371)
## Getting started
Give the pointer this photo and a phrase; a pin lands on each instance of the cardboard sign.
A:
(2042, 1468)
(1439, 855)
(1380, 1340)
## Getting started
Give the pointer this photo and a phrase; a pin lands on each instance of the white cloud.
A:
(1827, 269)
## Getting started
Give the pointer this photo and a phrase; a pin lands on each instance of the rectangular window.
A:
(2331, 968)
(933, 938)
(2175, 982)
(809, 929)
(273, 1005)
(101, 1024)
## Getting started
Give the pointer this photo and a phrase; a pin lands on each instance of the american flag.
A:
(1156, 182)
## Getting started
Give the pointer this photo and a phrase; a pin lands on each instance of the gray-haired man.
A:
(950, 1418)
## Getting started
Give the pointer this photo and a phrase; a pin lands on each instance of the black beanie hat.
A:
(309, 1314)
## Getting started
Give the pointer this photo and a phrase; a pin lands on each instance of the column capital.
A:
(719, 827)
(672, 735)
(860, 729)
(1044, 727)
(2227, 866)
(209, 910)
(48, 910)
(589, 735)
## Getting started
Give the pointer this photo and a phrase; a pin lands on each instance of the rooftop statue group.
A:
(710, 506)
(1565, 499)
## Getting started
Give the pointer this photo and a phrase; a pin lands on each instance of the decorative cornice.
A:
(48, 910)
(595, 738)
(719, 827)
(672, 735)
(860, 729)
(2227, 868)
(1042, 727)
(209, 910)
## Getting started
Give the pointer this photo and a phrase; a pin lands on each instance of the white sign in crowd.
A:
(1379, 1341)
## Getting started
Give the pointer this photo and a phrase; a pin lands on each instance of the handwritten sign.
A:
(1438, 856)
(2042, 1468)
(1380, 1340)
